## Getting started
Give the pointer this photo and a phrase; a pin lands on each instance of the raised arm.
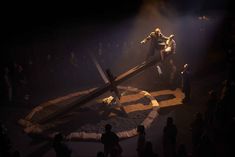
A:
(147, 38)
(174, 46)
(164, 37)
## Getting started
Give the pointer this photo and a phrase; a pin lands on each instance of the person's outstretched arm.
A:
(147, 38)
(164, 37)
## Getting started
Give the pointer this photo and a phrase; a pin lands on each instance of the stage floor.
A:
(182, 114)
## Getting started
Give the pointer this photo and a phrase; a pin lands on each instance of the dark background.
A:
(31, 30)
(22, 17)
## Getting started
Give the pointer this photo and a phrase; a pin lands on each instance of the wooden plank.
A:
(99, 91)
(132, 72)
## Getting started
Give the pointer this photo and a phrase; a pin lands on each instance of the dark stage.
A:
(72, 68)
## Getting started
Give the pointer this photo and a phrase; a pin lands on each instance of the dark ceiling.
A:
(19, 18)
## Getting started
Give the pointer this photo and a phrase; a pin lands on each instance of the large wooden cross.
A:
(110, 85)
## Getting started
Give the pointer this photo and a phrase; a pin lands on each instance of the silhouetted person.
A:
(206, 147)
(186, 83)
(169, 138)
(5, 143)
(211, 107)
(16, 154)
(182, 152)
(100, 154)
(148, 151)
(110, 141)
(115, 152)
(197, 128)
(60, 148)
(18, 82)
(3, 91)
(7, 86)
(226, 107)
(230, 137)
(141, 140)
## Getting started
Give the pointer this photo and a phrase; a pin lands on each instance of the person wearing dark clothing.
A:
(169, 138)
(6, 86)
(5, 143)
(211, 107)
(186, 83)
(141, 140)
(16, 154)
(19, 83)
(60, 148)
(115, 152)
(197, 128)
(100, 154)
(148, 151)
(110, 141)
(182, 151)
(206, 147)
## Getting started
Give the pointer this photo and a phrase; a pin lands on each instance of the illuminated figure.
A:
(186, 83)
(170, 47)
(157, 41)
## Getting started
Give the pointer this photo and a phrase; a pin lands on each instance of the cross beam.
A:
(111, 85)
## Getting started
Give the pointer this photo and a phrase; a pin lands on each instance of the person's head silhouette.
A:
(108, 127)
(58, 138)
(141, 129)
(169, 121)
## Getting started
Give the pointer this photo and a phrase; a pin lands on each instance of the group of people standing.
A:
(144, 147)
(13, 85)
(112, 147)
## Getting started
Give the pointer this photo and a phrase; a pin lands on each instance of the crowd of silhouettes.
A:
(14, 85)
(212, 132)
(23, 75)
(215, 129)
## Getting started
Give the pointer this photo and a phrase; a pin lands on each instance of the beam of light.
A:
(101, 72)
(192, 35)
